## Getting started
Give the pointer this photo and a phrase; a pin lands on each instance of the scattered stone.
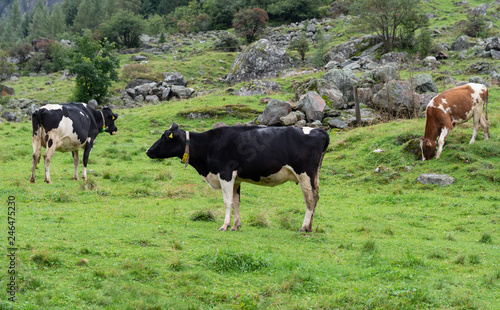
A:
(274, 110)
(312, 105)
(259, 87)
(440, 179)
(424, 83)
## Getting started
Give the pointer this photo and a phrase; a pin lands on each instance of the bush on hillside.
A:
(476, 25)
(250, 23)
(95, 66)
(227, 42)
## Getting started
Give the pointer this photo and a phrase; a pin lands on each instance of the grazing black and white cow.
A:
(68, 127)
(227, 156)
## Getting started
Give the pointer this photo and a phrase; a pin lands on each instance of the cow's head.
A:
(109, 120)
(428, 148)
(171, 144)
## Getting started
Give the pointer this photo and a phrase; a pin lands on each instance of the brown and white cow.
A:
(452, 107)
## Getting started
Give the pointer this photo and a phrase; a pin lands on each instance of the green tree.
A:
(124, 28)
(386, 17)
(155, 25)
(320, 49)
(39, 26)
(56, 23)
(300, 44)
(16, 20)
(95, 66)
(89, 16)
(294, 10)
(250, 23)
(129, 5)
(70, 9)
(6, 68)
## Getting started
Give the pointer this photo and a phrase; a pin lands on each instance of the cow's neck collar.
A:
(185, 157)
(103, 123)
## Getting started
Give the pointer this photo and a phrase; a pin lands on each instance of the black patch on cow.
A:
(49, 144)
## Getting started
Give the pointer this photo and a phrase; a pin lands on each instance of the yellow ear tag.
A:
(113, 117)
(184, 158)
(171, 136)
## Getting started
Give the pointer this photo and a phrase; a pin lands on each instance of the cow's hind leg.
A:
(227, 188)
(37, 152)
(51, 148)
(485, 124)
(476, 122)
(76, 161)
(311, 197)
(236, 207)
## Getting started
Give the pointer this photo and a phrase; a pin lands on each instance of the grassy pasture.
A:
(148, 229)
(142, 234)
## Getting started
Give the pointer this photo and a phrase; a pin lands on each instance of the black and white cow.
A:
(68, 127)
(227, 156)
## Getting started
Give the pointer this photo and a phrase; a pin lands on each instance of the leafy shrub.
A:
(250, 23)
(22, 52)
(95, 66)
(476, 25)
(230, 261)
(300, 45)
(424, 44)
(227, 42)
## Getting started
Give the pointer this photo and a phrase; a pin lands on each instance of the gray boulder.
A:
(325, 88)
(144, 90)
(259, 87)
(174, 78)
(6, 91)
(440, 179)
(462, 43)
(482, 67)
(290, 119)
(347, 50)
(11, 116)
(182, 92)
(312, 105)
(259, 60)
(381, 74)
(493, 44)
(274, 110)
(398, 98)
(495, 54)
(393, 57)
(138, 58)
(92, 103)
(345, 80)
(424, 83)
(138, 82)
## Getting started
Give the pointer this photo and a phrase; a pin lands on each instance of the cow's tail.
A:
(36, 120)
(486, 105)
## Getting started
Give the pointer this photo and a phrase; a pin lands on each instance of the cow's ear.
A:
(174, 127)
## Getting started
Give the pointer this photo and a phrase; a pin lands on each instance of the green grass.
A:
(148, 229)
(143, 234)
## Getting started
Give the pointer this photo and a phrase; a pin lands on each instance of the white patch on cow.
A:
(441, 106)
(65, 139)
(52, 107)
(82, 113)
(442, 137)
(212, 180)
(285, 174)
(478, 90)
(307, 130)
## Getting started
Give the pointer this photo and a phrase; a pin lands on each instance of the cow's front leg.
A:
(442, 137)
(227, 188)
(76, 160)
(37, 151)
(236, 207)
(85, 161)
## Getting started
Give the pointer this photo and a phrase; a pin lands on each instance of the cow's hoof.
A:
(234, 229)
(222, 229)
(48, 181)
(32, 180)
